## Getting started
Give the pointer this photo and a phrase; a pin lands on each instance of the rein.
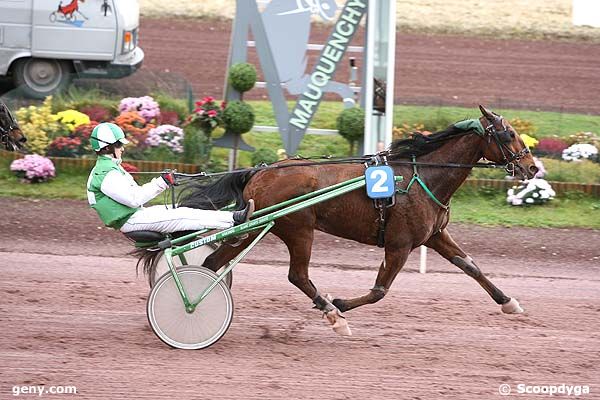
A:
(330, 161)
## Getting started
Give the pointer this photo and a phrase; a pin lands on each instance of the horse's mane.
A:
(420, 144)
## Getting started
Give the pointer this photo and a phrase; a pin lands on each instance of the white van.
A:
(43, 43)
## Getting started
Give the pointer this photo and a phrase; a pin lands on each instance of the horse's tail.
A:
(147, 259)
(216, 195)
(212, 196)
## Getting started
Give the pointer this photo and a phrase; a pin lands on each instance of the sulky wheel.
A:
(193, 257)
(196, 330)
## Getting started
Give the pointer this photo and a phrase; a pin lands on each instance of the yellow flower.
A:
(71, 118)
(529, 141)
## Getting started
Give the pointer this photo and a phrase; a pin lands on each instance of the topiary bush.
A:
(351, 125)
(267, 156)
(242, 77)
(238, 117)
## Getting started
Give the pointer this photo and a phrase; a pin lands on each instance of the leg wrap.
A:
(323, 304)
(467, 265)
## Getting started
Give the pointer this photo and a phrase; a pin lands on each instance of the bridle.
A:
(5, 130)
(509, 158)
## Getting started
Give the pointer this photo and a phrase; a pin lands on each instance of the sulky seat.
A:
(145, 236)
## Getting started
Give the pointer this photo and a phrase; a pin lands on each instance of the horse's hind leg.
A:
(394, 261)
(447, 248)
(299, 245)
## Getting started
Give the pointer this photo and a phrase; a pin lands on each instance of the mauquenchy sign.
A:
(332, 53)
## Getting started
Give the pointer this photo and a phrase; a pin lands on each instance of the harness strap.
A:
(381, 204)
(417, 178)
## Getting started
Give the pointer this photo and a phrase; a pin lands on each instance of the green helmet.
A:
(105, 134)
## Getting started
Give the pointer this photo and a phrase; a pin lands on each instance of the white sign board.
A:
(586, 12)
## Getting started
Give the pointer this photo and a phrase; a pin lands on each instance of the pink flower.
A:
(199, 103)
(212, 113)
(208, 99)
(223, 104)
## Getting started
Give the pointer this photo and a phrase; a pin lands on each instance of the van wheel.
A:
(41, 77)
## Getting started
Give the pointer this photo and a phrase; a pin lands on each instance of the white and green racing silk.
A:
(115, 195)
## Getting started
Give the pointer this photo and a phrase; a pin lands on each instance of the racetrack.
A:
(73, 313)
(430, 69)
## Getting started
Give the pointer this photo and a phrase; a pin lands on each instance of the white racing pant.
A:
(168, 220)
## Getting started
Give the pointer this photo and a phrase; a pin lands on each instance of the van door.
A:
(15, 31)
(74, 29)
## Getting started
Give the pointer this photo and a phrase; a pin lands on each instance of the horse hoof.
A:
(512, 307)
(338, 323)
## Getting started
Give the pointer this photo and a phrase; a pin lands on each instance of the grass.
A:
(480, 207)
(439, 117)
(574, 210)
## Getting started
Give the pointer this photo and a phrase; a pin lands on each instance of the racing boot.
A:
(241, 216)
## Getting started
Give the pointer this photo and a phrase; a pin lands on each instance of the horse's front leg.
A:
(447, 248)
(394, 260)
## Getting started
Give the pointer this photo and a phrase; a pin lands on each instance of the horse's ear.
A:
(486, 113)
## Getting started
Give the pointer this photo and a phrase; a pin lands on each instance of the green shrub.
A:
(242, 77)
(193, 145)
(583, 171)
(76, 99)
(238, 117)
(267, 156)
(351, 125)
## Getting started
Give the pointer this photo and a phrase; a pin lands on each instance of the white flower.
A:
(534, 191)
(579, 151)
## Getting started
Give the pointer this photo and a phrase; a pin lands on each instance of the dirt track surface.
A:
(73, 313)
(434, 70)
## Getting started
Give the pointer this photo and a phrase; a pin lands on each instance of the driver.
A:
(119, 200)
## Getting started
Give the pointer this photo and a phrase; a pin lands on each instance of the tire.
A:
(193, 257)
(190, 331)
(38, 78)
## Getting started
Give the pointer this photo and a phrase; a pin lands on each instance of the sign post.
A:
(379, 75)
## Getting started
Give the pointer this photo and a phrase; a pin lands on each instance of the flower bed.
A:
(531, 192)
(33, 168)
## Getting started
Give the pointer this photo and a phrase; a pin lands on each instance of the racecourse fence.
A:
(86, 164)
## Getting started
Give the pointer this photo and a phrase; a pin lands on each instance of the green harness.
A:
(417, 178)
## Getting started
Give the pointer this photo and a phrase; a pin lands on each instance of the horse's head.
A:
(505, 146)
(11, 136)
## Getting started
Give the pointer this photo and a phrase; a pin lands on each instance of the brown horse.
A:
(11, 136)
(415, 220)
